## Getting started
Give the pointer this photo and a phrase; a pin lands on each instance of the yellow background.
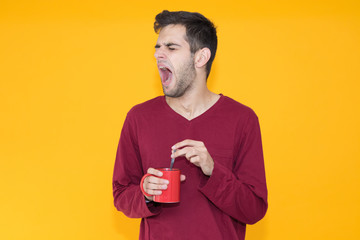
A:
(70, 71)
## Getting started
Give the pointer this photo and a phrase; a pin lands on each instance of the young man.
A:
(217, 142)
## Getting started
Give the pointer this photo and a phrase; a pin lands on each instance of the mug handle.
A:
(141, 184)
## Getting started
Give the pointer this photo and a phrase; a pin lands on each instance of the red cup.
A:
(172, 193)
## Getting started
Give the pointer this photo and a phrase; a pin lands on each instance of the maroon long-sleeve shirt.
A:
(215, 207)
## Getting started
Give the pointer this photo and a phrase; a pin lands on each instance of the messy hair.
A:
(200, 31)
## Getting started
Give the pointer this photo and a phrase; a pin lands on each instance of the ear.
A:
(202, 56)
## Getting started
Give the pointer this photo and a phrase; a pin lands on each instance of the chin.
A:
(173, 95)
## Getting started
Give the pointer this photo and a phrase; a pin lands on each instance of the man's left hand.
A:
(196, 153)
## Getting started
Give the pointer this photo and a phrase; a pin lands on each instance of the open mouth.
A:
(166, 75)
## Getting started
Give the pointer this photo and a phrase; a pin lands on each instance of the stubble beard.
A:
(185, 78)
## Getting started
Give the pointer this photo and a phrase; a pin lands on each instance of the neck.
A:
(194, 103)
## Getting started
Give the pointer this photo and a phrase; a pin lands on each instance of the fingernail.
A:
(173, 147)
(166, 181)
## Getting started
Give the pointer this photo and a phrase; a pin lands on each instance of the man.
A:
(217, 142)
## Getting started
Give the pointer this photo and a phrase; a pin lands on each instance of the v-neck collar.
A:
(182, 118)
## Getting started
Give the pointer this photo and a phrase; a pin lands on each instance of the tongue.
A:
(165, 76)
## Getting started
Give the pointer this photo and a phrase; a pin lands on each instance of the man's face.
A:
(175, 61)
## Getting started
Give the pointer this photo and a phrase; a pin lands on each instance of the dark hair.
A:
(200, 31)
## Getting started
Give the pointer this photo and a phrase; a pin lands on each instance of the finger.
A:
(182, 152)
(152, 186)
(156, 180)
(149, 189)
(195, 160)
(182, 178)
(192, 154)
(155, 172)
(187, 142)
(150, 198)
(153, 192)
(153, 189)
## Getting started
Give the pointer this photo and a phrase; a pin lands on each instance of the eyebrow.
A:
(168, 45)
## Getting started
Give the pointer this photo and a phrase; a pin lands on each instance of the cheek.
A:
(174, 63)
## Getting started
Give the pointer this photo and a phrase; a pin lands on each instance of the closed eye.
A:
(170, 46)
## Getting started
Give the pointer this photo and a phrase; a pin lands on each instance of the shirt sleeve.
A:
(128, 172)
(241, 192)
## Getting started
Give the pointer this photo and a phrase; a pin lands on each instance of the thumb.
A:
(182, 178)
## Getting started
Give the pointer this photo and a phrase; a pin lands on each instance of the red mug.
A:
(172, 193)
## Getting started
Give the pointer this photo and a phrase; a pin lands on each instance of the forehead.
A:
(172, 34)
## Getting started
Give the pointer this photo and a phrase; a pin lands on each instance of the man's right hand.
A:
(153, 185)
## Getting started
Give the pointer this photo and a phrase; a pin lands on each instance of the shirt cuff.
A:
(208, 185)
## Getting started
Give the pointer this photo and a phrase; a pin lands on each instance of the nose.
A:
(159, 53)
